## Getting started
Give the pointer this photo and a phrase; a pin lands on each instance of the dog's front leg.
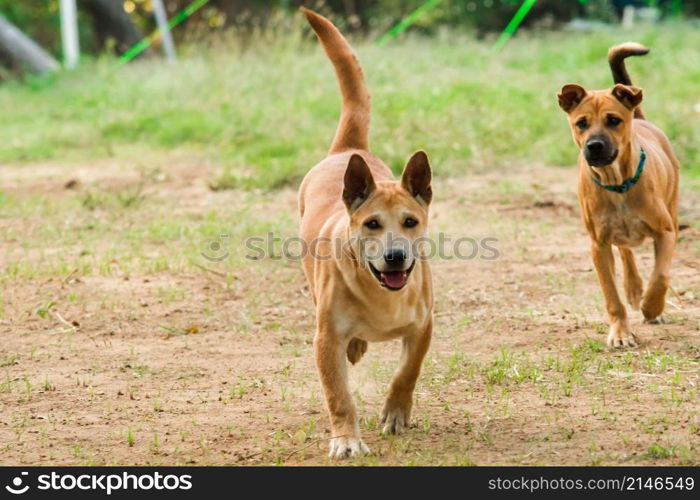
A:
(655, 296)
(619, 334)
(397, 408)
(330, 350)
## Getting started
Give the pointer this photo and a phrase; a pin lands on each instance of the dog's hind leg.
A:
(397, 408)
(655, 296)
(634, 287)
(356, 349)
(604, 261)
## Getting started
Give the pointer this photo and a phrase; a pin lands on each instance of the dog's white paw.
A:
(395, 419)
(344, 447)
(620, 336)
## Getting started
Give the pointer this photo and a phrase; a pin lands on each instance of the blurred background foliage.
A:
(40, 18)
(254, 95)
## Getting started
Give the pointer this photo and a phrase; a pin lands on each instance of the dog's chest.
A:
(386, 323)
(621, 226)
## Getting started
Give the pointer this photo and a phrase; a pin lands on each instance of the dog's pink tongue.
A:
(394, 279)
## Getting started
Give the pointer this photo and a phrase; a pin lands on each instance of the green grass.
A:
(266, 114)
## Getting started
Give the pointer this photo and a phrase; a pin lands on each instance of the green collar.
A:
(627, 185)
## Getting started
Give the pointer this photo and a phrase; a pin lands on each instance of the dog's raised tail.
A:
(616, 59)
(353, 129)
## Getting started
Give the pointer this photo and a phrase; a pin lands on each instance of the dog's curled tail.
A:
(616, 59)
(353, 129)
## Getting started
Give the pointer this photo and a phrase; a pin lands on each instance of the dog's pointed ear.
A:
(629, 95)
(417, 176)
(358, 183)
(571, 96)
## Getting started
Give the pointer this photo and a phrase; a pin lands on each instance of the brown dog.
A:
(368, 280)
(628, 190)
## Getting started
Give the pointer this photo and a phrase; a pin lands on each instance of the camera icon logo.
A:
(215, 250)
(16, 488)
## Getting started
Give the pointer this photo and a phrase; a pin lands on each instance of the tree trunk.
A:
(22, 50)
(112, 22)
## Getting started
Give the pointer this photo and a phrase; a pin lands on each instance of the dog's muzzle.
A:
(599, 151)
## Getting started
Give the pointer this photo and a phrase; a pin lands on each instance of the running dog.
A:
(627, 188)
(368, 280)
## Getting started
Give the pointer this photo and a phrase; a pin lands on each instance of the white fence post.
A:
(167, 37)
(628, 15)
(69, 33)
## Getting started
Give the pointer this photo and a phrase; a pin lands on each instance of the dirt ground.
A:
(120, 344)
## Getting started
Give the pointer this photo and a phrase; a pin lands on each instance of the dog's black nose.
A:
(395, 257)
(599, 151)
(595, 145)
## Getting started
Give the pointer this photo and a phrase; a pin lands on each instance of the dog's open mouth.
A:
(392, 280)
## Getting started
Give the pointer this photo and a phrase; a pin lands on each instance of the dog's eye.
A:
(614, 121)
(582, 124)
(410, 222)
(372, 224)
